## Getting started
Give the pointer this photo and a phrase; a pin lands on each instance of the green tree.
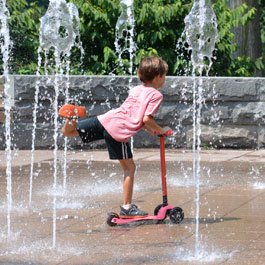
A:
(40, 3)
(24, 33)
(98, 19)
(262, 25)
(158, 27)
(248, 36)
(226, 64)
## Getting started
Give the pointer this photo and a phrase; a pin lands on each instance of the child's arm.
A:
(149, 130)
(151, 126)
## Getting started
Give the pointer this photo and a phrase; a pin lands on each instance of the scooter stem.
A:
(163, 168)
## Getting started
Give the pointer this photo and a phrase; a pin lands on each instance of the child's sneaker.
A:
(70, 111)
(132, 212)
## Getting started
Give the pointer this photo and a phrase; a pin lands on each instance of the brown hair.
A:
(150, 67)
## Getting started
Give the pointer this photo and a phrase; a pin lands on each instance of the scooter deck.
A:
(160, 216)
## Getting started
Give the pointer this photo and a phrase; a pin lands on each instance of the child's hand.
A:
(167, 132)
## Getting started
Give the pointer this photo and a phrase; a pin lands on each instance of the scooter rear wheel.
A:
(176, 215)
(158, 207)
(110, 218)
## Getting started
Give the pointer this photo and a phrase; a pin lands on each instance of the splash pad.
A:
(232, 224)
(231, 210)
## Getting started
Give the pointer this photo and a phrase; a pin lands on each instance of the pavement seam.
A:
(236, 157)
(253, 198)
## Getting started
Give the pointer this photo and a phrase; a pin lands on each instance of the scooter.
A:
(163, 210)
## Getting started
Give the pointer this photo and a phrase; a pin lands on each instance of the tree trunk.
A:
(248, 37)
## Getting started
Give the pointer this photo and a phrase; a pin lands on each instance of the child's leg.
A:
(129, 210)
(69, 128)
(129, 170)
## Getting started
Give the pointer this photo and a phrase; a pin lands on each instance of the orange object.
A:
(71, 111)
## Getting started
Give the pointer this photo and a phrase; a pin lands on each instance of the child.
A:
(118, 125)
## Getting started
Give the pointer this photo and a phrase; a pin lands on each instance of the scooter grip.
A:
(169, 132)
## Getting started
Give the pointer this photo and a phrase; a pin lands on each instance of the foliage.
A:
(262, 24)
(23, 27)
(40, 3)
(98, 19)
(225, 64)
(262, 19)
(158, 27)
(158, 24)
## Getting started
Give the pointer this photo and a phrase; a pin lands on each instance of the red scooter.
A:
(163, 210)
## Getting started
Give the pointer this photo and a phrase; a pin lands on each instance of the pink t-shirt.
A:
(127, 120)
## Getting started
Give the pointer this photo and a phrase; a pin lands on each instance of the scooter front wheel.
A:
(176, 215)
(110, 218)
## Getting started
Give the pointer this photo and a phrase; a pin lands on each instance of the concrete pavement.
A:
(66, 224)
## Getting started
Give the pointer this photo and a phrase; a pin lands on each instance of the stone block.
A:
(3, 116)
(180, 89)
(226, 137)
(217, 114)
(1, 93)
(252, 113)
(236, 89)
(261, 136)
(261, 88)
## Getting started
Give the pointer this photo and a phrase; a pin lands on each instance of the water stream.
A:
(59, 32)
(124, 38)
(124, 41)
(5, 44)
(200, 35)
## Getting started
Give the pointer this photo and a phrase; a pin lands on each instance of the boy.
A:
(118, 125)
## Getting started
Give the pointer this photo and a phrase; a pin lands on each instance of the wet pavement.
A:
(66, 224)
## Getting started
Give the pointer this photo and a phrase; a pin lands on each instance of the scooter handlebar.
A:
(168, 133)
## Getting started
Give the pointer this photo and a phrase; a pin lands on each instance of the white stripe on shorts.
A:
(124, 151)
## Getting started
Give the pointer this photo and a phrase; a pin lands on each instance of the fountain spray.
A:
(124, 41)
(5, 44)
(125, 33)
(200, 35)
(59, 31)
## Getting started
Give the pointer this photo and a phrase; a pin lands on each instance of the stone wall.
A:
(232, 116)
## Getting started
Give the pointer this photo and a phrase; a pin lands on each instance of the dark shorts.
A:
(91, 130)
